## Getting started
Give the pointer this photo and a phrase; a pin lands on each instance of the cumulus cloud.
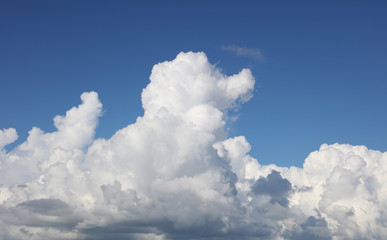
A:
(174, 173)
(7, 136)
(244, 51)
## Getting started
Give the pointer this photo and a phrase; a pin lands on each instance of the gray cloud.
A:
(275, 186)
(52, 207)
(314, 228)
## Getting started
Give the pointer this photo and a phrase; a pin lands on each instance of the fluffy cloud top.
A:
(7, 136)
(174, 174)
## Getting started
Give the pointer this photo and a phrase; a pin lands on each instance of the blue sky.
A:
(323, 78)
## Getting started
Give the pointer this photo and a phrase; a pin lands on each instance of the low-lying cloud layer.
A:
(174, 174)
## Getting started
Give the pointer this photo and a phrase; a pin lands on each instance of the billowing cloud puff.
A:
(174, 174)
(7, 136)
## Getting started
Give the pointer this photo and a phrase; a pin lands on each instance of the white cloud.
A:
(75, 131)
(244, 51)
(7, 136)
(174, 174)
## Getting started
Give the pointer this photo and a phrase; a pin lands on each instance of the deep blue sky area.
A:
(323, 78)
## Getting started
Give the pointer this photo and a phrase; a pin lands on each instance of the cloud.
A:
(74, 132)
(7, 136)
(244, 51)
(274, 186)
(313, 228)
(174, 173)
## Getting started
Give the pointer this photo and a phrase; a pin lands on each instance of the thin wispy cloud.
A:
(244, 51)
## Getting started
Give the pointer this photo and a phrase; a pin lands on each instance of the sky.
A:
(321, 74)
(193, 119)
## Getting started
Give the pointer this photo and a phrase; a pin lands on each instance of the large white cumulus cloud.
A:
(174, 174)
